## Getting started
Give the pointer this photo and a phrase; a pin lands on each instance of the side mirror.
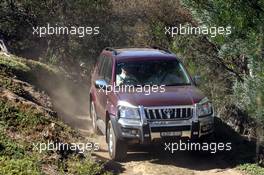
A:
(197, 80)
(101, 84)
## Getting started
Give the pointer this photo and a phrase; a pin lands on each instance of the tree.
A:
(240, 53)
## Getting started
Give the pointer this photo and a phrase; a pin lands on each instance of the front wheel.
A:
(117, 148)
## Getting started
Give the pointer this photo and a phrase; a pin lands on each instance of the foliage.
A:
(249, 95)
(84, 167)
(7, 83)
(8, 64)
(16, 65)
(252, 169)
(239, 55)
(226, 59)
(17, 155)
(19, 17)
(10, 148)
(13, 156)
(22, 166)
(22, 123)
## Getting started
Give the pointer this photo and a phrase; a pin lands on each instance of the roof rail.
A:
(161, 48)
(111, 49)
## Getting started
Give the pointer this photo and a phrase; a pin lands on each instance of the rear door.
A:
(104, 73)
(96, 76)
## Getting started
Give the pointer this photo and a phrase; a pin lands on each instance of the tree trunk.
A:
(3, 47)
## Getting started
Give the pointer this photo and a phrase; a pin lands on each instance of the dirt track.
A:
(154, 160)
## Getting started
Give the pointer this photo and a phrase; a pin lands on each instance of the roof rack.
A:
(111, 49)
(161, 48)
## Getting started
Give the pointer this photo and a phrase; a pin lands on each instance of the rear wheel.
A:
(93, 117)
(117, 148)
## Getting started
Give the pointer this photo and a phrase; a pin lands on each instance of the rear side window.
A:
(102, 66)
(108, 70)
(105, 68)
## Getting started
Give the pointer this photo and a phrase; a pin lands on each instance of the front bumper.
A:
(144, 131)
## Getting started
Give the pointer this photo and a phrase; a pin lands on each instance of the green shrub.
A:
(252, 169)
(8, 83)
(12, 64)
(22, 166)
(83, 167)
(249, 95)
(22, 120)
(8, 147)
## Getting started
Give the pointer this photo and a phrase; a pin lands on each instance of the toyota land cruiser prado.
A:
(141, 94)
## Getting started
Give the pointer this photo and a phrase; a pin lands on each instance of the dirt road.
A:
(154, 160)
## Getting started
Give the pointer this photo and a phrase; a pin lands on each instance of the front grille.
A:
(177, 112)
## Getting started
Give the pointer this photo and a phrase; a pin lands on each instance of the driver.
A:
(125, 77)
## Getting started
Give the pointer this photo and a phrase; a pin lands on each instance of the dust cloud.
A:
(70, 98)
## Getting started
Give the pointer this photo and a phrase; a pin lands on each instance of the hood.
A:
(173, 95)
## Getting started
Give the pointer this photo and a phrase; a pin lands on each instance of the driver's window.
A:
(125, 74)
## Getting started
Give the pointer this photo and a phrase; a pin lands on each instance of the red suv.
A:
(141, 94)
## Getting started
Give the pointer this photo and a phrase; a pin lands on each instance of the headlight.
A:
(204, 108)
(126, 110)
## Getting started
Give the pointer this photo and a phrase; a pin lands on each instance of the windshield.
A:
(162, 72)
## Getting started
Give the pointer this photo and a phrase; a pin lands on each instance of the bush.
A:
(22, 166)
(249, 95)
(84, 167)
(251, 169)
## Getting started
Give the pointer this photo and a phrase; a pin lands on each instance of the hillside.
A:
(29, 121)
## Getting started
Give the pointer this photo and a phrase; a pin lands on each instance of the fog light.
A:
(134, 132)
(130, 132)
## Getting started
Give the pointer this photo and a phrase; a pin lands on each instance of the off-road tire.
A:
(117, 148)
